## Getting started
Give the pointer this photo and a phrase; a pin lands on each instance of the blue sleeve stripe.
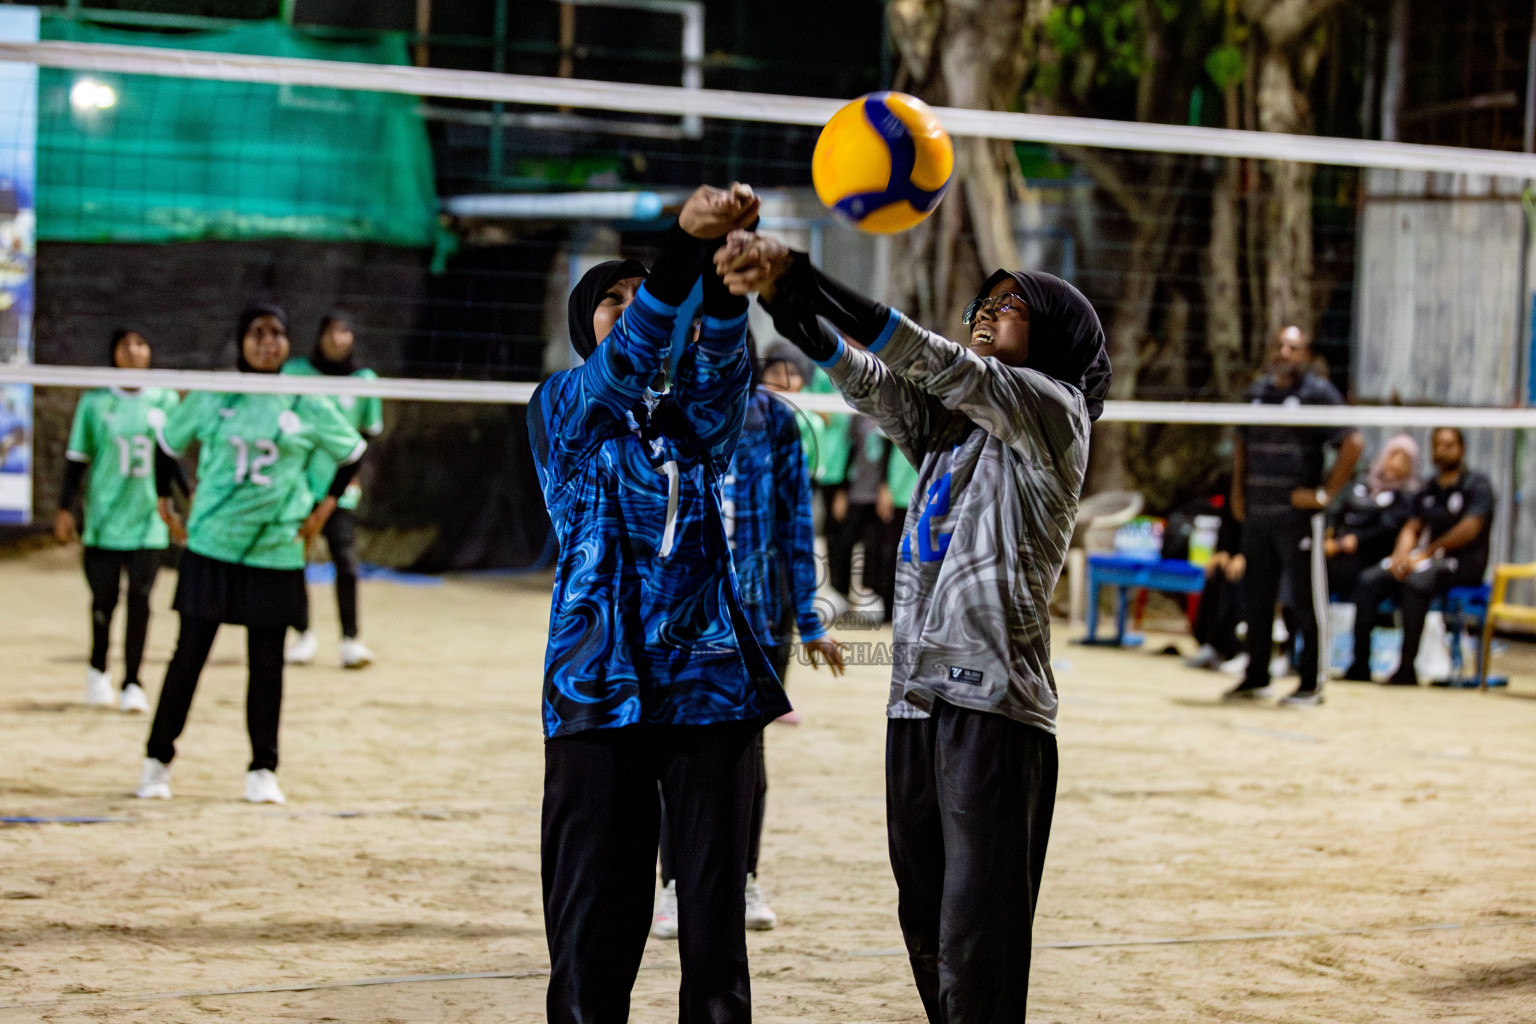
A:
(885, 335)
(837, 353)
(716, 325)
(651, 304)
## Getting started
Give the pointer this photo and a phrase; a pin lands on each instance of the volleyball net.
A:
(450, 211)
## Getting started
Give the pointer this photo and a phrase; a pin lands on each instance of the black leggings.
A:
(263, 693)
(969, 799)
(778, 656)
(601, 823)
(103, 573)
(341, 537)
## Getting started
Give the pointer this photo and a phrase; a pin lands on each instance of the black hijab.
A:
(334, 367)
(1066, 340)
(248, 316)
(588, 294)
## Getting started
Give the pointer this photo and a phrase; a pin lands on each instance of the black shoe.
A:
(1304, 698)
(1358, 673)
(1244, 691)
(1401, 678)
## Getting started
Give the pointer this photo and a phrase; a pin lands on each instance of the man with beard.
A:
(1279, 494)
(1454, 506)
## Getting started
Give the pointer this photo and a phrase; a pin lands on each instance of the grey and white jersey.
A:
(1001, 453)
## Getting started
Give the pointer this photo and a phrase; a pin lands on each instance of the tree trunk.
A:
(1223, 301)
(963, 53)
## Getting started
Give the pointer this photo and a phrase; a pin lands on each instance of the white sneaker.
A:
(154, 781)
(1279, 666)
(133, 699)
(302, 651)
(1205, 657)
(1235, 666)
(355, 653)
(664, 922)
(261, 787)
(760, 916)
(98, 689)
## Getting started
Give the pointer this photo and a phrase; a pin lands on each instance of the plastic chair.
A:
(1499, 607)
(1098, 517)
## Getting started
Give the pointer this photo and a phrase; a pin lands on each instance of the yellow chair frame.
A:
(1500, 608)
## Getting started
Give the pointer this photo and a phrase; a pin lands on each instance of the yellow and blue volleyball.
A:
(883, 162)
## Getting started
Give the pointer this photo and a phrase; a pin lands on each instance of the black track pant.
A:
(263, 693)
(1220, 610)
(969, 797)
(602, 819)
(778, 657)
(103, 573)
(1277, 544)
(861, 525)
(341, 537)
(1376, 584)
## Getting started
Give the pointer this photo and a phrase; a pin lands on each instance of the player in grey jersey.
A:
(999, 429)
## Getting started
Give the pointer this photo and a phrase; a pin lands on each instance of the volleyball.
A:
(883, 162)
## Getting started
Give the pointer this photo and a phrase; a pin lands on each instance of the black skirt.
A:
(240, 595)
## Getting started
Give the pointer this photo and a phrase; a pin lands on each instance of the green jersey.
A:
(366, 416)
(114, 431)
(900, 478)
(825, 441)
(252, 490)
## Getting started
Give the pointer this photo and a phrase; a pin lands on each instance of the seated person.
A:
(1363, 532)
(1453, 508)
(1221, 600)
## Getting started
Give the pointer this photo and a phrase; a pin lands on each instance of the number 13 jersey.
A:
(114, 432)
(252, 490)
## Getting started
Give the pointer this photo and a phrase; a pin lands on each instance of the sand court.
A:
(1368, 860)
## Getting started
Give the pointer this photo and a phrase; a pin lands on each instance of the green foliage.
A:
(1107, 33)
(1102, 45)
(1225, 65)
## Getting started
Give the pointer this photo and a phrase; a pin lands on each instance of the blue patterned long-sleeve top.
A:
(769, 523)
(645, 624)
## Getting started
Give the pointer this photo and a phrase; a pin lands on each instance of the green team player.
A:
(112, 450)
(251, 519)
(335, 355)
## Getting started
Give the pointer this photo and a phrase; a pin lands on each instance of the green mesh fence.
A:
(172, 160)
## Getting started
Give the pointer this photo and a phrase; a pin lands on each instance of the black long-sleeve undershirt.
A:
(804, 295)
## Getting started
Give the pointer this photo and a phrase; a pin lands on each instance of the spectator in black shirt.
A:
(1452, 510)
(1278, 494)
(1364, 530)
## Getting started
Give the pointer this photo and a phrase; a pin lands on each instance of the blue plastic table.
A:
(1173, 574)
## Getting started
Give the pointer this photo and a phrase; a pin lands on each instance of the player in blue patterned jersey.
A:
(652, 672)
(767, 504)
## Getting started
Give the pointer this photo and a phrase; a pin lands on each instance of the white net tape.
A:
(798, 110)
(675, 100)
(518, 393)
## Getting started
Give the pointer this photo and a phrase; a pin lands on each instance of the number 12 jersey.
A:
(252, 490)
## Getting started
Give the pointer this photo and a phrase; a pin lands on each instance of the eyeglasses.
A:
(997, 305)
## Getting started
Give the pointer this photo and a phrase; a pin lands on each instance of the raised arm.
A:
(578, 408)
(714, 380)
(1022, 407)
